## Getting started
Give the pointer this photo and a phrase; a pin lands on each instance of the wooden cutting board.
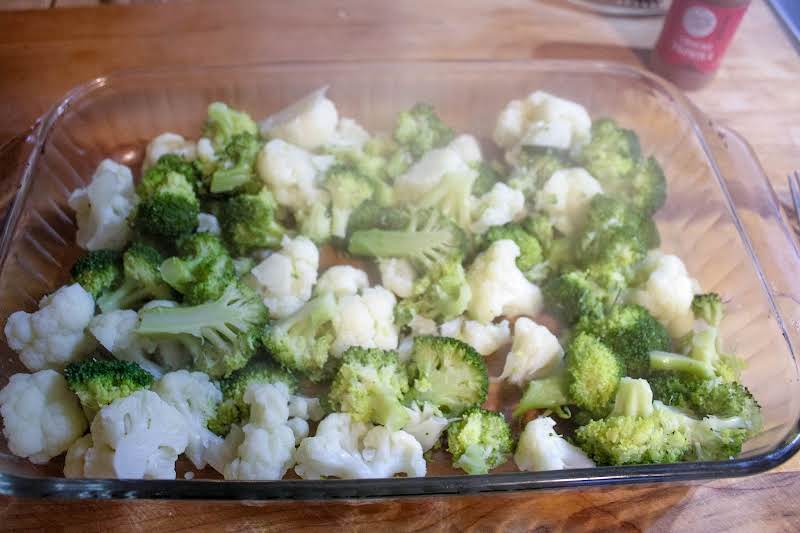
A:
(44, 53)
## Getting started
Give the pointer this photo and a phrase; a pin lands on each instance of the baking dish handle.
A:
(14, 159)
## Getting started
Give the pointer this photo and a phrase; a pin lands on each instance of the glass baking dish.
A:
(721, 217)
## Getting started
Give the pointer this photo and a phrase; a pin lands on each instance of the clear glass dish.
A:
(722, 217)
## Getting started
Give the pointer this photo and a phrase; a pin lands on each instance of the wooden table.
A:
(44, 53)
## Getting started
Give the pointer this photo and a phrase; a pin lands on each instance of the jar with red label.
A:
(695, 36)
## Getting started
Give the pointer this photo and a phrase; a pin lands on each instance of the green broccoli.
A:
(634, 398)
(394, 159)
(534, 168)
(645, 187)
(168, 205)
(428, 239)
(370, 216)
(452, 195)
(593, 373)
(314, 222)
(448, 373)
(224, 122)
(673, 362)
(202, 269)
(480, 441)
(233, 409)
(540, 227)
(611, 154)
(489, 173)
(632, 333)
(98, 382)
(141, 280)
(370, 385)
(221, 335)
(348, 190)
(157, 174)
(420, 129)
(531, 255)
(302, 341)
(550, 393)
(98, 271)
(573, 295)
(235, 169)
(370, 167)
(441, 294)
(704, 397)
(249, 222)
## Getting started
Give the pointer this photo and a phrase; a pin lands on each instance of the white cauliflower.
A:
(498, 287)
(397, 275)
(305, 408)
(420, 325)
(206, 155)
(116, 332)
(485, 338)
(467, 147)
(168, 143)
(540, 448)
(348, 134)
(207, 223)
(426, 423)
(347, 449)
(310, 122)
(55, 334)
(342, 280)
(286, 278)
(535, 353)
(195, 397)
(102, 208)
(565, 198)
(76, 454)
(365, 320)
(545, 120)
(136, 437)
(267, 450)
(293, 174)
(426, 173)
(499, 206)
(41, 416)
(667, 293)
(300, 429)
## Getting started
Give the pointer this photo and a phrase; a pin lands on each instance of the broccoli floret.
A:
(704, 397)
(611, 154)
(573, 295)
(249, 222)
(448, 373)
(420, 129)
(235, 168)
(348, 190)
(428, 239)
(593, 372)
(632, 333)
(302, 341)
(369, 167)
(372, 216)
(315, 222)
(168, 205)
(645, 187)
(534, 168)
(479, 441)
(703, 343)
(395, 158)
(233, 409)
(709, 308)
(202, 269)
(441, 294)
(606, 213)
(531, 253)
(539, 226)
(98, 382)
(98, 271)
(221, 335)
(551, 393)
(634, 398)
(489, 173)
(141, 280)
(370, 385)
(157, 174)
(224, 122)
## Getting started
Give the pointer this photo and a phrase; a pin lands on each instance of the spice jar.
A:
(694, 38)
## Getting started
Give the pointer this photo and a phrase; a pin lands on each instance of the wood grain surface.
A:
(44, 53)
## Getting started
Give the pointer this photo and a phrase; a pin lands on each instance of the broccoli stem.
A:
(388, 410)
(123, 297)
(393, 243)
(228, 179)
(175, 273)
(671, 362)
(547, 393)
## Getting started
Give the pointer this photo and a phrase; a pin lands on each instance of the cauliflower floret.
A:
(305, 408)
(404, 347)
(499, 206)
(467, 147)
(565, 197)
(535, 353)
(196, 398)
(208, 224)
(667, 293)
(365, 320)
(342, 280)
(285, 279)
(349, 134)
(347, 449)
(267, 450)
(420, 325)
(221, 452)
(102, 208)
(426, 424)
(310, 122)
(41, 416)
(75, 458)
(136, 437)
(541, 448)
(299, 429)
(498, 287)
(168, 143)
(485, 338)
(293, 174)
(542, 119)
(428, 172)
(398, 276)
(55, 334)
(206, 156)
